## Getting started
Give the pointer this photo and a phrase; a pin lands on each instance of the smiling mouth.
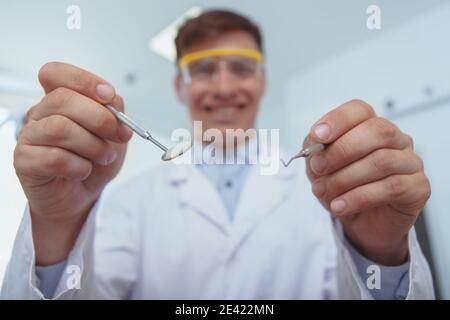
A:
(225, 114)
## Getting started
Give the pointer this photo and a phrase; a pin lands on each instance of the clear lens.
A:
(207, 69)
(203, 69)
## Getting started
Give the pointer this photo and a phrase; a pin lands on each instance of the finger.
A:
(404, 193)
(124, 132)
(373, 134)
(311, 175)
(47, 162)
(59, 131)
(376, 166)
(57, 74)
(340, 120)
(84, 111)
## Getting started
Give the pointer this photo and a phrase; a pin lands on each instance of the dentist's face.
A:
(225, 102)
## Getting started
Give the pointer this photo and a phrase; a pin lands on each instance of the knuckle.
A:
(56, 127)
(364, 199)
(427, 189)
(318, 188)
(383, 161)
(420, 163)
(81, 81)
(58, 97)
(22, 132)
(364, 106)
(422, 192)
(17, 157)
(384, 128)
(45, 71)
(342, 150)
(417, 161)
(103, 124)
(55, 160)
(410, 140)
(30, 114)
(336, 184)
(397, 186)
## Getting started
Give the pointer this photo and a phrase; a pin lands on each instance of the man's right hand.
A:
(70, 147)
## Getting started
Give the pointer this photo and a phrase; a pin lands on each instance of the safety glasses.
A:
(205, 66)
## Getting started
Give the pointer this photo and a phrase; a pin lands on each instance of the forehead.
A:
(231, 39)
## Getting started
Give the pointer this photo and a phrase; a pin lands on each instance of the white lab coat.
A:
(165, 234)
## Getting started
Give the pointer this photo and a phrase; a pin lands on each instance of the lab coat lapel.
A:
(262, 196)
(194, 191)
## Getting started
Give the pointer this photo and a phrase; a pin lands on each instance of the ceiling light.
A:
(163, 43)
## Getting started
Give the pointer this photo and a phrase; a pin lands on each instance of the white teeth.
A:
(224, 114)
(228, 111)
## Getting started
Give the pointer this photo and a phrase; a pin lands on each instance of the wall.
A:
(409, 65)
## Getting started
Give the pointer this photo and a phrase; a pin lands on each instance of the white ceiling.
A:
(114, 36)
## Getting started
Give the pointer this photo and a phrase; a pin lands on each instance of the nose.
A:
(225, 84)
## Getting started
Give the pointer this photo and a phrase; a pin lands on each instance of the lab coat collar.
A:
(261, 195)
(181, 168)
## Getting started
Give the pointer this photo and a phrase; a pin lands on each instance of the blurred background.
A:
(320, 54)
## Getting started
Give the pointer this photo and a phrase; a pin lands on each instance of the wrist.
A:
(55, 236)
(393, 253)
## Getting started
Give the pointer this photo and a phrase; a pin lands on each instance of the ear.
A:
(180, 89)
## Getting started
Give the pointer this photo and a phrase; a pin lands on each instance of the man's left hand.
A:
(370, 178)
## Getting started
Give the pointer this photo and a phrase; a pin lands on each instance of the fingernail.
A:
(338, 206)
(318, 189)
(322, 131)
(105, 91)
(318, 164)
(111, 156)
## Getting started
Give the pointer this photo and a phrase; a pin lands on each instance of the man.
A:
(213, 231)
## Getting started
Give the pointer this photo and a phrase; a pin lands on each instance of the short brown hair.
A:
(212, 23)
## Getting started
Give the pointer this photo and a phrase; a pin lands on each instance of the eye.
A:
(243, 67)
(202, 69)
